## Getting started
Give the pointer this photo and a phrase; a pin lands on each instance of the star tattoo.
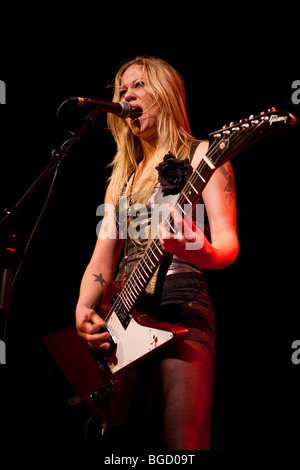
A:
(99, 278)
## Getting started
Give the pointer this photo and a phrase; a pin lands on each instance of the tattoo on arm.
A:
(226, 172)
(99, 278)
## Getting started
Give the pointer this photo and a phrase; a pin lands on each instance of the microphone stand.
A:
(8, 237)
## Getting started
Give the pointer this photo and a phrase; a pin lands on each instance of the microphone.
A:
(122, 109)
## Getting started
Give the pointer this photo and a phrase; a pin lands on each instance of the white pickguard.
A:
(134, 342)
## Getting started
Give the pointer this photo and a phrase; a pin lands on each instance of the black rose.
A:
(173, 173)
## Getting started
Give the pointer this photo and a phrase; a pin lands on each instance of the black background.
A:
(227, 78)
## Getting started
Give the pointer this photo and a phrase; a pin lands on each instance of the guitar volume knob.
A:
(110, 386)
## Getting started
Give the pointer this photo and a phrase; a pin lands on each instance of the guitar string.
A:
(212, 150)
(136, 273)
(237, 137)
(134, 277)
(124, 298)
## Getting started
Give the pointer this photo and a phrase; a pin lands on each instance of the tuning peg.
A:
(251, 117)
(262, 113)
(217, 136)
(272, 110)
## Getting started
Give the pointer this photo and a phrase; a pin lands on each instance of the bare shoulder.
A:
(111, 197)
(108, 199)
(201, 150)
(222, 176)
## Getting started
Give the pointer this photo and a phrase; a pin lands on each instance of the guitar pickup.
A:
(100, 355)
(112, 345)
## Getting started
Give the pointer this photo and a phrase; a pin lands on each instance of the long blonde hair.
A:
(167, 89)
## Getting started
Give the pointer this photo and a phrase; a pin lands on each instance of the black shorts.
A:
(185, 302)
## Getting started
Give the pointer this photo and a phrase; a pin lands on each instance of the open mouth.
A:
(136, 113)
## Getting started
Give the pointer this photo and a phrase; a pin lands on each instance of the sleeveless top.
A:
(137, 239)
(178, 289)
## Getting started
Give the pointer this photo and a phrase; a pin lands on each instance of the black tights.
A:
(171, 405)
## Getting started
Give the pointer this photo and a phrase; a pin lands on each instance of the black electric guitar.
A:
(105, 380)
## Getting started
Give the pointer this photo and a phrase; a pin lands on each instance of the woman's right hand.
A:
(88, 324)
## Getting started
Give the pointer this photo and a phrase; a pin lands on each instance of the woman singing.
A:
(171, 406)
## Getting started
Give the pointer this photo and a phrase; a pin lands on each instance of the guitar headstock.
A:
(230, 140)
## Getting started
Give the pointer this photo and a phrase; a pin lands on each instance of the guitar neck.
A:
(224, 144)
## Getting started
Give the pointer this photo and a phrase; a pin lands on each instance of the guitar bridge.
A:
(110, 340)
